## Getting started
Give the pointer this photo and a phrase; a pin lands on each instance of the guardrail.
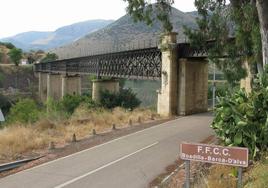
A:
(16, 164)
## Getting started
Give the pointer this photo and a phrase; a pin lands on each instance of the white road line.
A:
(104, 166)
(97, 146)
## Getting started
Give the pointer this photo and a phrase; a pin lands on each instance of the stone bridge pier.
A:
(55, 86)
(100, 85)
(184, 81)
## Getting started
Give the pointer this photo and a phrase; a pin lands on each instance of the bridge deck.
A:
(133, 64)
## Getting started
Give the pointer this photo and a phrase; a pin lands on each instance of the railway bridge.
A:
(183, 72)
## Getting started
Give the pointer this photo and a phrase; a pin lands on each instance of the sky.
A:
(18, 16)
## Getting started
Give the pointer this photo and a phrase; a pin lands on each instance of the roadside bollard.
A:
(94, 132)
(113, 127)
(130, 122)
(139, 120)
(74, 138)
(51, 145)
(152, 116)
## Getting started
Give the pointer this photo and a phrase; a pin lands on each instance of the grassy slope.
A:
(258, 176)
(221, 176)
(53, 127)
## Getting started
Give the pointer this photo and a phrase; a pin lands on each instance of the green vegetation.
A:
(125, 98)
(1, 79)
(5, 104)
(7, 44)
(257, 176)
(221, 89)
(27, 111)
(1, 56)
(24, 111)
(143, 10)
(49, 57)
(241, 119)
(15, 55)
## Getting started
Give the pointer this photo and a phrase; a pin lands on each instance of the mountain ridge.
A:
(124, 34)
(44, 40)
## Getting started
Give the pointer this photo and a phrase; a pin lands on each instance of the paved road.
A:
(129, 162)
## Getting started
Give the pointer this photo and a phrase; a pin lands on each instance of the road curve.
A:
(131, 161)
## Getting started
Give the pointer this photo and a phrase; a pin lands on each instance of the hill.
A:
(124, 34)
(4, 58)
(35, 40)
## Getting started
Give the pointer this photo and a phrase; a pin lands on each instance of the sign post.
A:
(187, 174)
(233, 156)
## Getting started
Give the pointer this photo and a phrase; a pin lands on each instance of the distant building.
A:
(24, 62)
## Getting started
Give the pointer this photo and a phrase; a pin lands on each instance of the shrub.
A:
(70, 102)
(54, 110)
(125, 98)
(221, 89)
(24, 111)
(5, 104)
(67, 105)
(242, 120)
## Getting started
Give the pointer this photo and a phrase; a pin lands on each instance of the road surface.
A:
(131, 161)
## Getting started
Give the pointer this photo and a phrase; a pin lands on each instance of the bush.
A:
(125, 98)
(5, 104)
(221, 89)
(70, 102)
(24, 111)
(242, 120)
(67, 105)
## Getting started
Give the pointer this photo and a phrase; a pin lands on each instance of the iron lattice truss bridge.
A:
(133, 64)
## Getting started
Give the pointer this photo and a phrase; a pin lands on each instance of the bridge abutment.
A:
(192, 86)
(103, 85)
(167, 96)
(184, 81)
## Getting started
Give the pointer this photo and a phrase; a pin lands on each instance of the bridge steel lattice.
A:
(133, 64)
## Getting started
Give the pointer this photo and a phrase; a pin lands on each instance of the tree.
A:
(7, 44)
(31, 57)
(262, 7)
(245, 20)
(219, 21)
(15, 55)
(142, 10)
(49, 57)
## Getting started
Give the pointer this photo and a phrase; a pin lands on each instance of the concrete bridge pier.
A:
(192, 86)
(54, 88)
(102, 85)
(167, 96)
(71, 84)
(184, 81)
(42, 87)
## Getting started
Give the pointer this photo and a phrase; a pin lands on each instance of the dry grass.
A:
(221, 176)
(18, 139)
(258, 176)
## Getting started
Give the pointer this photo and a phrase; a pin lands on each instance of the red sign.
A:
(234, 156)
